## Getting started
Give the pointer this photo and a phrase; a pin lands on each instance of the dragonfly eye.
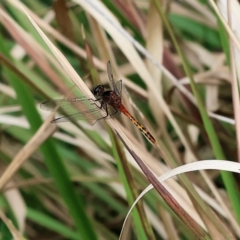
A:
(98, 90)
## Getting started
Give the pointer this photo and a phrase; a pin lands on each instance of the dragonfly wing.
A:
(92, 114)
(118, 87)
(74, 109)
(110, 75)
(68, 106)
(51, 105)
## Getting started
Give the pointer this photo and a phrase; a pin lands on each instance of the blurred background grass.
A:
(76, 184)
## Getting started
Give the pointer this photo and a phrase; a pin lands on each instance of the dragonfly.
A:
(109, 101)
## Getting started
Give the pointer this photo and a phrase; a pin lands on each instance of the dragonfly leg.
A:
(97, 100)
(105, 108)
(116, 111)
(94, 100)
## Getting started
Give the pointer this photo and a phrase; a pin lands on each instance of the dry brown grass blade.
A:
(100, 37)
(154, 43)
(46, 130)
(133, 14)
(16, 235)
(62, 17)
(168, 224)
(7, 90)
(28, 183)
(155, 47)
(93, 71)
(17, 204)
(234, 55)
(213, 230)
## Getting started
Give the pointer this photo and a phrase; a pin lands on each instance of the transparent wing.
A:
(92, 114)
(76, 109)
(68, 106)
(118, 87)
(110, 75)
(73, 109)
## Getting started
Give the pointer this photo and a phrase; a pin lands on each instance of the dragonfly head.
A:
(98, 90)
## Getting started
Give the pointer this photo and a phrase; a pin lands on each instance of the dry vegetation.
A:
(179, 63)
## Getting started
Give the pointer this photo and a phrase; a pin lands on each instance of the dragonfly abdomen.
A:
(143, 130)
